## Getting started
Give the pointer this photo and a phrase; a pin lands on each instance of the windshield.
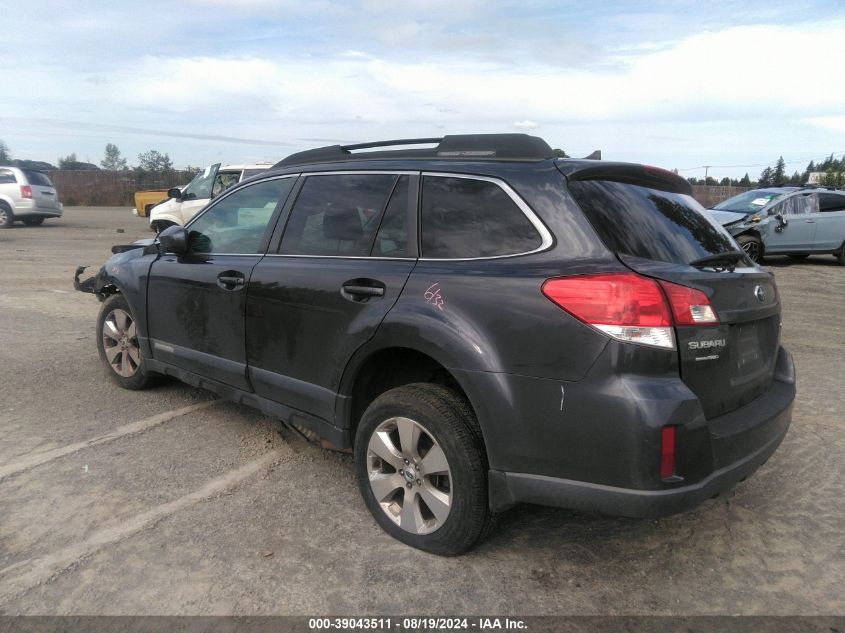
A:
(748, 202)
(651, 224)
(200, 186)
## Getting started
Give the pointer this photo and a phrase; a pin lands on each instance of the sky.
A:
(680, 84)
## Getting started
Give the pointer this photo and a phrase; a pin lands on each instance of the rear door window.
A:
(830, 202)
(337, 215)
(648, 223)
(465, 218)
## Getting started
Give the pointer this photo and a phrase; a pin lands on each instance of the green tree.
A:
(154, 161)
(779, 172)
(559, 153)
(766, 177)
(725, 181)
(5, 156)
(745, 181)
(112, 160)
(70, 162)
(833, 177)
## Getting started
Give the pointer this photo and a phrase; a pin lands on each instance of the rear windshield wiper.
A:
(728, 257)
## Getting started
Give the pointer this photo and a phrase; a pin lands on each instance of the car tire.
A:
(117, 343)
(7, 218)
(798, 256)
(444, 453)
(840, 256)
(160, 225)
(753, 247)
(33, 221)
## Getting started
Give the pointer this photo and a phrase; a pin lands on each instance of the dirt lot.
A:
(117, 502)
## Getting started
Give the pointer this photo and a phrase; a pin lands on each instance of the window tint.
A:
(7, 176)
(251, 172)
(464, 217)
(337, 215)
(829, 202)
(392, 236)
(37, 178)
(238, 222)
(648, 223)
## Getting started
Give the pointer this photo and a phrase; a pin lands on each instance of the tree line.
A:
(831, 168)
(149, 161)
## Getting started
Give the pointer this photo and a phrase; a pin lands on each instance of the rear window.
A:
(37, 178)
(647, 223)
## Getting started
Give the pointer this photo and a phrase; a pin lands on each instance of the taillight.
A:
(689, 306)
(630, 307)
(626, 306)
(667, 452)
(26, 191)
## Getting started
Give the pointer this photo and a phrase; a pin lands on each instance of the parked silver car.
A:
(28, 196)
(794, 221)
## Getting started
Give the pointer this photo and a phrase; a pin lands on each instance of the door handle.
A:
(362, 289)
(230, 280)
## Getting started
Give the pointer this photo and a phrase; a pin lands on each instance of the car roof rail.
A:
(509, 147)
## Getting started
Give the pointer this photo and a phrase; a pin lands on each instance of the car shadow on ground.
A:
(775, 261)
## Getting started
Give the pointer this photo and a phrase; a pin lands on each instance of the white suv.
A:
(28, 196)
(184, 203)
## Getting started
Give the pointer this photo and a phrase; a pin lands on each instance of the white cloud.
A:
(526, 125)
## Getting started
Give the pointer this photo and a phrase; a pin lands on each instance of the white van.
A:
(183, 204)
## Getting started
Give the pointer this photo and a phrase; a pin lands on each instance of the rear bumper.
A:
(714, 454)
(28, 209)
(512, 488)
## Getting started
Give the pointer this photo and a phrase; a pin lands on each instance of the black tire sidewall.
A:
(469, 515)
(747, 239)
(141, 378)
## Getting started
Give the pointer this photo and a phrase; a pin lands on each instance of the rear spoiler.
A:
(629, 173)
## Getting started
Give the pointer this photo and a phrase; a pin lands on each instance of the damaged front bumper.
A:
(91, 285)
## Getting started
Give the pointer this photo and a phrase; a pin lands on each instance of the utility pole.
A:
(706, 169)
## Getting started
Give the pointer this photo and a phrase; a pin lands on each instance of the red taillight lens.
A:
(689, 306)
(667, 452)
(611, 299)
(26, 191)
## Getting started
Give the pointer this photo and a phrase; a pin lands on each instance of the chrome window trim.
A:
(362, 172)
(382, 258)
(546, 239)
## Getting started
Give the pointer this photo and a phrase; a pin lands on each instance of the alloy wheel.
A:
(752, 249)
(120, 343)
(409, 475)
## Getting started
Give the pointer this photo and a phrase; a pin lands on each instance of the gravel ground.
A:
(115, 502)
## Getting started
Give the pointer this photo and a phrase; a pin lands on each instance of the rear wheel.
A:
(33, 221)
(422, 469)
(6, 216)
(117, 342)
(753, 247)
(840, 256)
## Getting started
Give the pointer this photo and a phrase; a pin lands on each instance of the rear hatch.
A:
(43, 192)
(656, 229)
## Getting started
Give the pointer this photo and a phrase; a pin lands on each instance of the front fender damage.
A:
(96, 284)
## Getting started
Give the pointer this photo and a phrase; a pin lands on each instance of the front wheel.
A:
(752, 246)
(117, 342)
(422, 468)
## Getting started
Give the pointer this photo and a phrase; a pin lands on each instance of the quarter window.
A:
(238, 223)
(466, 218)
(337, 215)
(7, 177)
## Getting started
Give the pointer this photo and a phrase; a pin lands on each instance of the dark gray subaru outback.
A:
(482, 323)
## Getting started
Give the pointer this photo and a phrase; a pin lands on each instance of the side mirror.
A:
(174, 239)
(175, 192)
